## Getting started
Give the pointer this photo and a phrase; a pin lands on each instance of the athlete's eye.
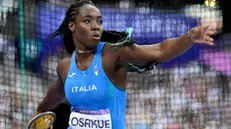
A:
(87, 21)
(100, 22)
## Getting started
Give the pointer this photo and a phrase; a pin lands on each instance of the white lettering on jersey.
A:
(83, 88)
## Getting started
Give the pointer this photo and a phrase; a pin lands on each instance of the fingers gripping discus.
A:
(42, 121)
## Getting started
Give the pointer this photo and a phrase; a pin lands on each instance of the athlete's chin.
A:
(95, 41)
(93, 44)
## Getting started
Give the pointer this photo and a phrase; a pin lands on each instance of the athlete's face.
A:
(87, 27)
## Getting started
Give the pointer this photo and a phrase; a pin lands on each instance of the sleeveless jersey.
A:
(96, 102)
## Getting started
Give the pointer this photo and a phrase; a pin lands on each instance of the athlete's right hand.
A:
(35, 113)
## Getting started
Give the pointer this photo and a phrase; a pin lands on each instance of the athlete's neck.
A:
(84, 58)
(83, 51)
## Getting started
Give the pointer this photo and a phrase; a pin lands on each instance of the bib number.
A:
(90, 119)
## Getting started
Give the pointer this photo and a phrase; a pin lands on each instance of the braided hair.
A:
(63, 30)
(113, 38)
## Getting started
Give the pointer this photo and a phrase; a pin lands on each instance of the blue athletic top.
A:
(91, 89)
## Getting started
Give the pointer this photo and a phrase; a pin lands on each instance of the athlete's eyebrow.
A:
(90, 16)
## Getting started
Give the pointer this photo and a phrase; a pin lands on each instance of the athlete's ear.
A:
(71, 26)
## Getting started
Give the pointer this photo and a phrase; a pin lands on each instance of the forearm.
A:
(174, 47)
(52, 99)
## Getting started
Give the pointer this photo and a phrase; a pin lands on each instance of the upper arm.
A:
(58, 86)
(55, 93)
(141, 54)
(63, 68)
(56, 90)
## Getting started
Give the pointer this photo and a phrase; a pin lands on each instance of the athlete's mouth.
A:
(96, 36)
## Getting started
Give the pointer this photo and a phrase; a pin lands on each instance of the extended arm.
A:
(168, 49)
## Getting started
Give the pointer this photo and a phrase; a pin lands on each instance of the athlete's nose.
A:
(95, 26)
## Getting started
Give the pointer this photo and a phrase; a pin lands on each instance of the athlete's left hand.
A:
(201, 34)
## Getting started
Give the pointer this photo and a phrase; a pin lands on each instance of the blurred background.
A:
(189, 92)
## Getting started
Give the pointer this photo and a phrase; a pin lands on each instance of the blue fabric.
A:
(91, 89)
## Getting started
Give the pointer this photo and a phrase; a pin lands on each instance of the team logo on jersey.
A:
(96, 71)
(72, 74)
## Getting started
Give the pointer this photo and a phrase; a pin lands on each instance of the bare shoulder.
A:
(115, 52)
(109, 50)
(63, 67)
(115, 70)
(63, 63)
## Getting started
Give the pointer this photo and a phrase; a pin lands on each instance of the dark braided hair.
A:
(63, 30)
(113, 38)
